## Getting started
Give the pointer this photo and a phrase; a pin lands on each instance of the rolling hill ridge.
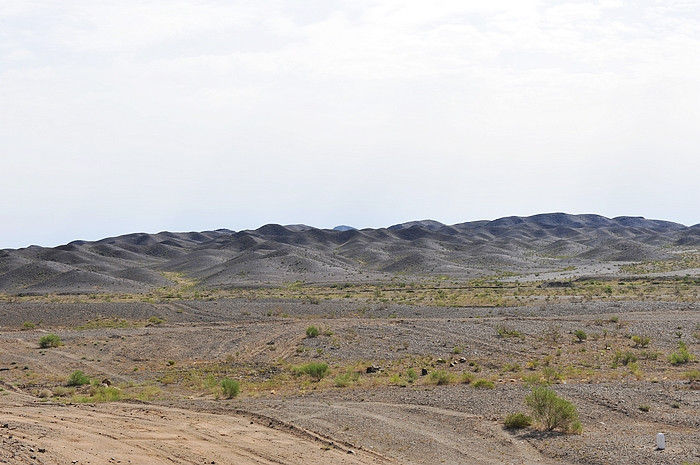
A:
(274, 254)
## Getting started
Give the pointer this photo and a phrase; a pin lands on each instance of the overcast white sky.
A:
(125, 116)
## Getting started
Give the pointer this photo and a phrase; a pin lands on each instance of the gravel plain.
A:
(390, 420)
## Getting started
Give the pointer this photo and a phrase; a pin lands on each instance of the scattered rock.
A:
(373, 369)
(107, 381)
(423, 371)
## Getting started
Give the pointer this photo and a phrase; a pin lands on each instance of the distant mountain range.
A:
(275, 254)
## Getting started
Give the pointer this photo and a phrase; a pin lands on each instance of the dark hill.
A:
(277, 254)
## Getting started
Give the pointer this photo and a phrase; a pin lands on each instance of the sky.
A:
(189, 115)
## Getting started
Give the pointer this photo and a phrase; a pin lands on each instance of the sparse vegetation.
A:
(483, 384)
(411, 375)
(99, 394)
(77, 378)
(552, 334)
(641, 341)
(518, 421)
(346, 379)
(441, 377)
(681, 355)
(155, 320)
(230, 388)
(316, 370)
(506, 332)
(580, 335)
(624, 358)
(312, 331)
(552, 411)
(50, 340)
(270, 369)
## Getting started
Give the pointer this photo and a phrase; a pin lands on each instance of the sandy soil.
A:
(35, 432)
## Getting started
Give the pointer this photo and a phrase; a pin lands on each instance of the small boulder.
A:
(423, 371)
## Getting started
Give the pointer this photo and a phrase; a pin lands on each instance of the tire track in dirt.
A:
(160, 435)
(479, 343)
(421, 434)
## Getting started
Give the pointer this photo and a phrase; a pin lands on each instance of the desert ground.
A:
(155, 365)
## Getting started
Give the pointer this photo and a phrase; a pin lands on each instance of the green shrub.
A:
(552, 411)
(440, 377)
(411, 375)
(154, 320)
(644, 407)
(641, 341)
(551, 374)
(77, 378)
(518, 421)
(230, 388)
(504, 332)
(316, 370)
(50, 340)
(483, 384)
(580, 335)
(681, 355)
(312, 331)
(106, 394)
(575, 427)
(624, 358)
(346, 379)
(466, 377)
(99, 394)
(396, 380)
(693, 375)
(28, 325)
(649, 355)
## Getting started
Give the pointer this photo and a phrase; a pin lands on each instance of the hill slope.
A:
(276, 254)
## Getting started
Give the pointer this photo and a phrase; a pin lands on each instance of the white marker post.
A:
(660, 441)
